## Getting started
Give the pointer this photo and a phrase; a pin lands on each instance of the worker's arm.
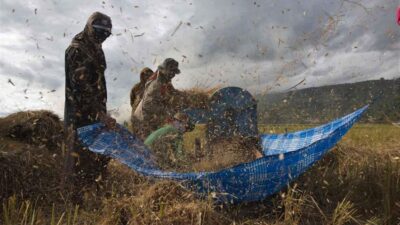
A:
(107, 120)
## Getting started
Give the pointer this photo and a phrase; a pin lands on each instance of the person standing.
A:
(85, 101)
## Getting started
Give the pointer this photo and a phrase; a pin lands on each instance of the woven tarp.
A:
(286, 156)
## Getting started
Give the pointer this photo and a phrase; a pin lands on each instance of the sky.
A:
(261, 46)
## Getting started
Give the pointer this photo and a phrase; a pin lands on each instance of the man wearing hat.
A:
(85, 101)
(155, 107)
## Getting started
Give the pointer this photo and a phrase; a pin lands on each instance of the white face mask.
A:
(179, 125)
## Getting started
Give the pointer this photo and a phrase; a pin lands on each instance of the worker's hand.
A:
(110, 122)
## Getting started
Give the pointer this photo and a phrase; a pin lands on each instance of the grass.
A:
(368, 137)
(358, 182)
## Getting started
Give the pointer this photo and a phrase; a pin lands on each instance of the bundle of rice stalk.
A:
(163, 202)
(34, 127)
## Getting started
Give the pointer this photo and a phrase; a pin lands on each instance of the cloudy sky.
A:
(263, 46)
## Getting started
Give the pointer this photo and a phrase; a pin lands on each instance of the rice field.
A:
(357, 182)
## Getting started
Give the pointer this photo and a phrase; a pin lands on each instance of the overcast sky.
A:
(263, 46)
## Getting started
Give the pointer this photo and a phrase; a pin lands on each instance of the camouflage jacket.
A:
(85, 84)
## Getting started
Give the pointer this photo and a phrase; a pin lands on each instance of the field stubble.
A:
(357, 182)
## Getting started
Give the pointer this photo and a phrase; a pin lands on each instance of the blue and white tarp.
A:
(286, 156)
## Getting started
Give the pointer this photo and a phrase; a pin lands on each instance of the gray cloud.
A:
(259, 45)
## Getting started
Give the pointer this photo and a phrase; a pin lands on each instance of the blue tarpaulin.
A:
(286, 156)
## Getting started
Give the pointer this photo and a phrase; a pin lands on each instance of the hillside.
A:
(320, 104)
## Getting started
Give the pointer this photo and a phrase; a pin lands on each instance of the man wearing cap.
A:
(167, 142)
(155, 105)
(85, 99)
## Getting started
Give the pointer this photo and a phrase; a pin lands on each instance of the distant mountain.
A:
(321, 104)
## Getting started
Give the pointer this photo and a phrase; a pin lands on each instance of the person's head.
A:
(169, 68)
(98, 27)
(145, 74)
(182, 122)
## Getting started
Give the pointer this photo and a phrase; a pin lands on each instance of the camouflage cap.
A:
(169, 65)
(98, 21)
